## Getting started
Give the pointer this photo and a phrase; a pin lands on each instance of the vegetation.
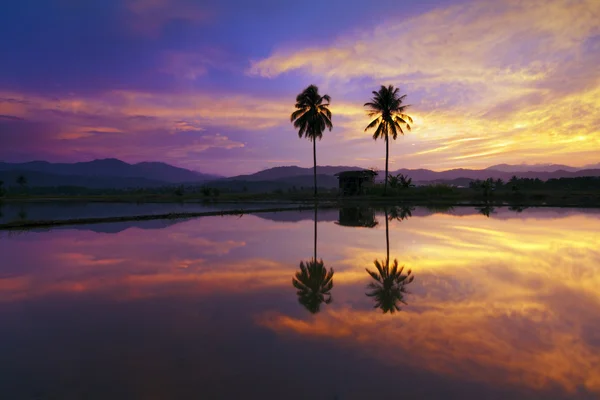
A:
(388, 109)
(2, 191)
(311, 118)
(400, 181)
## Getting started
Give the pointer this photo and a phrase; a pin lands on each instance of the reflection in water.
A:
(314, 284)
(400, 213)
(390, 287)
(486, 210)
(357, 217)
(518, 209)
(439, 208)
(313, 281)
(22, 214)
(504, 308)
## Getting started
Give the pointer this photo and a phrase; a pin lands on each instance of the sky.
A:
(210, 86)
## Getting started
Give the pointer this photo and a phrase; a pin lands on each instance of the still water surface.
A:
(36, 211)
(500, 307)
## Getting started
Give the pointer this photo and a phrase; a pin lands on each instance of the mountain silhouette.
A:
(112, 167)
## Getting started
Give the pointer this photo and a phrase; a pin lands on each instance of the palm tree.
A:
(387, 108)
(311, 118)
(313, 281)
(389, 288)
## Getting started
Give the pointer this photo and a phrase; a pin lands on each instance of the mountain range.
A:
(113, 173)
(105, 173)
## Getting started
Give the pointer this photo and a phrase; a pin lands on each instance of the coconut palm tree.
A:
(389, 286)
(311, 118)
(388, 109)
(313, 281)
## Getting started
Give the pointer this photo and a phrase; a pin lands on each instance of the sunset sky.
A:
(210, 85)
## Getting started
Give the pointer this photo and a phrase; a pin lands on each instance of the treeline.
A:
(516, 184)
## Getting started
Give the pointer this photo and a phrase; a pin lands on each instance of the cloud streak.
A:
(522, 74)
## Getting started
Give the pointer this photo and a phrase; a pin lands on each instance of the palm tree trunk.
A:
(315, 232)
(315, 163)
(387, 239)
(387, 154)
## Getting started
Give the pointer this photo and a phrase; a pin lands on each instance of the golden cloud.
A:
(520, 74)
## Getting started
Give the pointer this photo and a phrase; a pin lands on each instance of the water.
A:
(36, 211)
(504, 307)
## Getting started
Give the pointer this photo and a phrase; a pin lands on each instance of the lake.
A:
(501, 307)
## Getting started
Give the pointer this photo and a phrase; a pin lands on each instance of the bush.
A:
(438, 190)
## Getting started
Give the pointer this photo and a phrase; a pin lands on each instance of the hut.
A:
(355, 182)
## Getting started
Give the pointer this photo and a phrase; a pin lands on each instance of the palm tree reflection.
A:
(400, 213)
(486, 210)
(313, 281)
(314, 284)
(389, 287)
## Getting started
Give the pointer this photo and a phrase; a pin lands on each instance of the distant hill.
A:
(427, 176)
(291, 171)
(112, 168)
(532, 168)
(115, 174)
(42, 179)
(284, 184)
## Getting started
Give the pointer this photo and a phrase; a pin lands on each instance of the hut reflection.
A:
(357, 217)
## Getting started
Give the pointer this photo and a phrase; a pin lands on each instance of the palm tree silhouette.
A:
(390, 285)
(313, 281)
(387, 108)
(311, 118)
